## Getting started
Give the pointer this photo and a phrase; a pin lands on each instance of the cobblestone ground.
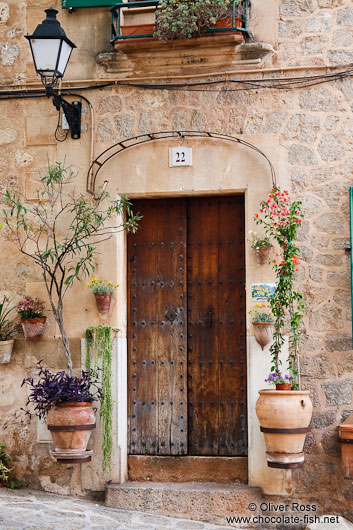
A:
(35, 510)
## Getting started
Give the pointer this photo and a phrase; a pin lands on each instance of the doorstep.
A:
(219, 469)
(206, 502)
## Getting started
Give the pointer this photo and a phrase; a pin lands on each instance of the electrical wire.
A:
(279, 83)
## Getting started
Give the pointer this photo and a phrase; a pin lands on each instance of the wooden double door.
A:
(186, 328)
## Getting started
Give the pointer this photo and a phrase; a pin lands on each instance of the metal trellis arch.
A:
(117, 148)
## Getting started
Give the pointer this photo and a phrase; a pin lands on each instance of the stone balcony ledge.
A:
(207, 54)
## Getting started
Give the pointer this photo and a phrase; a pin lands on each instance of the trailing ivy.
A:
(99, 346)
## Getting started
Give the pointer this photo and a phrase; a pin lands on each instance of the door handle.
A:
(210, 317)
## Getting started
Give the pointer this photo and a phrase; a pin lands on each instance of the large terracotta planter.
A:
(262, 254)
(263, 332)
(33, 328)
(138, 29)
(70, 426)
(6, 347)
(103, 301)
(345, 431)
(284, 416)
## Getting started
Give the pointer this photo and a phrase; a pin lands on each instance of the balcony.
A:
(137, 53)
(142, 13)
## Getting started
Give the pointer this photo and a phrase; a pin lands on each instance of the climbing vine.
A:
(99, 346)
(281, 219)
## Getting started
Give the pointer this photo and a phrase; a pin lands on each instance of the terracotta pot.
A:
(33, 328)
(6, 347)
(103, 301)
(70, 426)
(138, 29)
(262, 254)
(263, 332)
(284, 416)
(283, 386)
(227, 22)
(345, 431)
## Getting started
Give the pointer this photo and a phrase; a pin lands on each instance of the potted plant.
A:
(69, 253)
(64, 230)
(8, 328)
(103, 292)
(32, 318)
(284, 415)
(263, 321)
(65, 402)
(182, 19)
(261, 245)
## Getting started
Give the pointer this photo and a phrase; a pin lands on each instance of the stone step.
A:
(206, 502)
(219, 469)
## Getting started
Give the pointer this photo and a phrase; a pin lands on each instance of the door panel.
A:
(157, 330)
(186, 337)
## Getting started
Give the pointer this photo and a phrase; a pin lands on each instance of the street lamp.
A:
(51, 51)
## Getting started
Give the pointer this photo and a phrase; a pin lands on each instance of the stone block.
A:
(315, 274)
(311, 206)
(331, 223)
(301, 155)
(302, 127)
(314, 45)
(310, 445)
(332, 193)
(110, 104)
(338, 279)
(343, 362)
(315, 367)
(145, 124)
(345, 17)
(105, 131)
(326, 318)
(320, 99)
(330, 443)
(7, 136)
(305, 254)
(332, 122)
(320, 420)
(4, 12)
(289, 29)
(338, 393)
(296, 8)
(340, 57)
(319, 242)
(298, 180)
(9, 54)
(320, 23)
(23, 159)
(330, 148)
(342, 38)
(342, 298)
(124, 125)
(339, 342)
(328, 260)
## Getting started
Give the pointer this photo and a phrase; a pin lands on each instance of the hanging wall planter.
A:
(33, 328)
(6, 347)
(103, 301)
(284, 418)
(263, 332)
(103, 292)
(262, 254)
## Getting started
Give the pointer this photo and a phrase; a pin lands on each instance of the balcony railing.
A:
(117, 29)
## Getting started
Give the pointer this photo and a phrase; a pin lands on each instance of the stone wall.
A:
(313, 127)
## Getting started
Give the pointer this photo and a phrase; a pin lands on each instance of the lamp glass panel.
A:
(45, 53)
(64, 57)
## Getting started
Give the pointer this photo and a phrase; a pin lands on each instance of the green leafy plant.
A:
(261, 313)
(30, 308)
(184, 19)
(8, 328)
(99, 346)
(259, 240)
(281, 219)
(101, 286)
(60, 232)
(5, 470)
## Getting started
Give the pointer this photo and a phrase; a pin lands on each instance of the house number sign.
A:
(180, 156)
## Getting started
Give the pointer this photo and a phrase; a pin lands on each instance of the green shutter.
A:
(87, 3)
